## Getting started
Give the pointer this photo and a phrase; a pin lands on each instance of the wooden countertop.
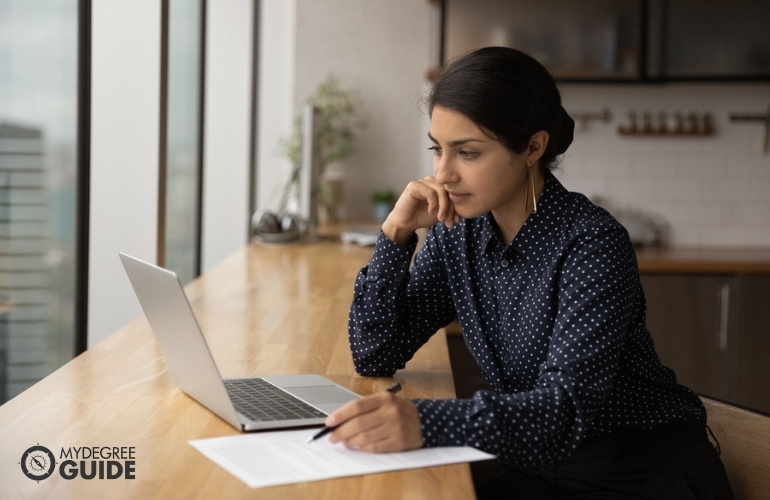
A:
(265, 310)
(669, 260)
(697, 260)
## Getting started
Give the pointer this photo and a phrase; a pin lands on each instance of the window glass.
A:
(182, 183)
(38, 189)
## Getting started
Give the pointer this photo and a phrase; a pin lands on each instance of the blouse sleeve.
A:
(389, 318)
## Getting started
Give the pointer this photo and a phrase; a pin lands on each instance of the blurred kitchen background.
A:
(704, 62)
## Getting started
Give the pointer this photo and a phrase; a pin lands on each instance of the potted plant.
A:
(336, 141)
(383, 200)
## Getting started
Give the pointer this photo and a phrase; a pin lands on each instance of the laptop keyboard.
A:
(261, 401)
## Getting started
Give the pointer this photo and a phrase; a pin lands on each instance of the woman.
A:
(546, 288)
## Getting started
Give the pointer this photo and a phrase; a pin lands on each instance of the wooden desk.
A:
(265, 310)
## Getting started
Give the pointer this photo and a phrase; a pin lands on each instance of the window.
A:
(181, 167)
(41, 171)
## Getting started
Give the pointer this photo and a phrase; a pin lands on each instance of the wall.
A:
(227, 129)
(277, 28)
(709, 190)
(125, 99)
(381, 51)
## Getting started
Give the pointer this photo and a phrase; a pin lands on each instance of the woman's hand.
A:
(379, 423)
(423, 203)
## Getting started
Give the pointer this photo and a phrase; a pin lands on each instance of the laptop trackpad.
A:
(327, 397)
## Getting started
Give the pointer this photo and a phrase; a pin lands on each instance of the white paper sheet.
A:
(273, 458)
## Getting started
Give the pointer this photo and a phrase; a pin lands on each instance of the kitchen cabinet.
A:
(620, 40)
(591, 39)
(752, 343)
(710, 39)
(686, 317)
(712, 329)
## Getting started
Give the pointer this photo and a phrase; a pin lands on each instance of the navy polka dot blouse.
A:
(555, 321)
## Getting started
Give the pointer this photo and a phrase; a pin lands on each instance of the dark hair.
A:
(508, 93)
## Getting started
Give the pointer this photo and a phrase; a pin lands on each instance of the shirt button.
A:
(504, 263)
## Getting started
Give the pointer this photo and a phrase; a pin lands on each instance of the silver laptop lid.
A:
(173, 322)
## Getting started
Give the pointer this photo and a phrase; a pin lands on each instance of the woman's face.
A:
(478, 172)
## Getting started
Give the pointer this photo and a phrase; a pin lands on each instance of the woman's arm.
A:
(389, 318)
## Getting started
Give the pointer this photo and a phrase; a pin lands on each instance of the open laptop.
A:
(248, 404)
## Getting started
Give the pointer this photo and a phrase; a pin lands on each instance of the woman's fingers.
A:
(439, 206)
(423, 203)
(378, 424)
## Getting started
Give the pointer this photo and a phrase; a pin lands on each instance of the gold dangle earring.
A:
(530, 203)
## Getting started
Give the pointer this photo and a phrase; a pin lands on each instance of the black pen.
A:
(326, 430)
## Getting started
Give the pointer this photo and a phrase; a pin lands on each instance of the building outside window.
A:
(39, 192)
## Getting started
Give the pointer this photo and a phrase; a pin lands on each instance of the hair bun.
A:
(564, 132)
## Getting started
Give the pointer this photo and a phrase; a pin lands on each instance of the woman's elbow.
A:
(367, 368)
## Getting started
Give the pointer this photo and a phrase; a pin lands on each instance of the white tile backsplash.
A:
(711, 191)
(708, 170)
